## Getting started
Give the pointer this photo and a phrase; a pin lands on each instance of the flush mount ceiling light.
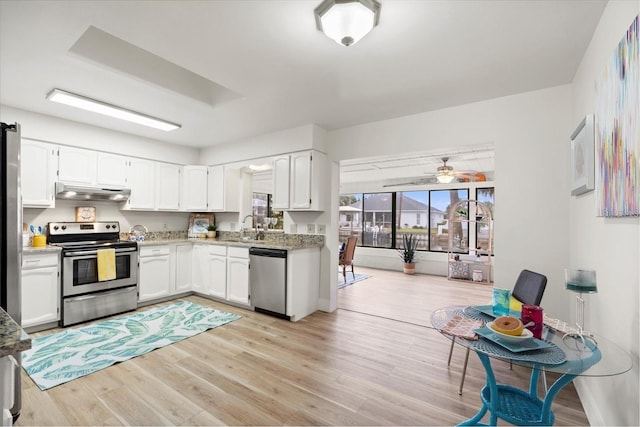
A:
(347, 21)
(79, 101)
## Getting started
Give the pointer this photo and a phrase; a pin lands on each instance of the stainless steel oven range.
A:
(84, 297)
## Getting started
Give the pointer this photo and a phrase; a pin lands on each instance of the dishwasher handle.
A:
(268, 252)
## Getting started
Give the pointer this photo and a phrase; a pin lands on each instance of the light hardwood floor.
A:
(342, 368)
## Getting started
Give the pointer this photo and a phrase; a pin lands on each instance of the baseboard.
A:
(589, 402)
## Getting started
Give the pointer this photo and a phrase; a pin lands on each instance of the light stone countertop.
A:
(289, 245)
(44, 250)
(12, 338)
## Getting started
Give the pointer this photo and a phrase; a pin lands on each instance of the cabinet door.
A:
(40, 296)
(141, 179)
(168, 186)
(281, 183)
(154, 277)
(77, 165)
(184, 254)
(38, 174)
(194, 188)
(300, 181)
(238, 280)
(215, 188)
(112, 170)
(201, 273)
(218, 273)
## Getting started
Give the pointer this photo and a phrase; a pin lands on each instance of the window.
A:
(377, 209)
(381, 219)
(410, 207)
(350, 217)
(486, 196)
(262, 210)
(440, 201)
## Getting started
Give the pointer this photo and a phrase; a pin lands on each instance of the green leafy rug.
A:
(59, 358)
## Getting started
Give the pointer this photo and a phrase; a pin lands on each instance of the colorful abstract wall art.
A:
(618, 130)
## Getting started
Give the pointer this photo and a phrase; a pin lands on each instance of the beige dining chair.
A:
(346, 256)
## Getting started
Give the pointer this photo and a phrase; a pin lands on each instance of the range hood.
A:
(80, 192)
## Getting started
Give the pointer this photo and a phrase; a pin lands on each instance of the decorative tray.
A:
(488, 310)
(524, 345)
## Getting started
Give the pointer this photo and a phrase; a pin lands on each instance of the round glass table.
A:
(568, 356)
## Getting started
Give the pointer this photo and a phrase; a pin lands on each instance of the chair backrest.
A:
(349, 250)
(529, 287)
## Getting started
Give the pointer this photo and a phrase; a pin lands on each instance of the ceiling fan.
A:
(445, 175)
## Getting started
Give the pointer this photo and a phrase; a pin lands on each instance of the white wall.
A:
(530, 133)
(108, 211)
(286, 141)
(608, 245)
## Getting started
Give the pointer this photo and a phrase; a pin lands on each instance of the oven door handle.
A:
(82, 253)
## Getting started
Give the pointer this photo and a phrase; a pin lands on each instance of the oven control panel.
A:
(61, 228)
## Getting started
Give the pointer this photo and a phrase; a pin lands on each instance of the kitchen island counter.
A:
(12, 338)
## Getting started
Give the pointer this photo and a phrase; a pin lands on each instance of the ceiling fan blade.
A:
(421, 181)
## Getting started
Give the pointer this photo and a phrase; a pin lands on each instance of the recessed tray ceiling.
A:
(105, 49)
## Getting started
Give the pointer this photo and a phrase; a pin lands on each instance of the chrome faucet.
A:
(252, 223)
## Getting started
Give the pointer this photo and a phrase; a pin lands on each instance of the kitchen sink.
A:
(241, 240)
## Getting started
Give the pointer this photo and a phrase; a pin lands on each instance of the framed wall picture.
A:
(582, 157)
(198, 223)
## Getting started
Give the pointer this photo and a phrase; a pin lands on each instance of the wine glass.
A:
(274, 221)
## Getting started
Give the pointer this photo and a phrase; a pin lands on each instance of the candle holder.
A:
(582, 282)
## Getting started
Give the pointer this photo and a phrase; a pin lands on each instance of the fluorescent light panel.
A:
(82, 102)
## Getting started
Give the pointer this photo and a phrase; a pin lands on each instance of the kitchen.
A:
(522, 123)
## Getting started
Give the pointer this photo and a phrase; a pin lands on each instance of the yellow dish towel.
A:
(106, 264)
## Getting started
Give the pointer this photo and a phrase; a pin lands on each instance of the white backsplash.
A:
(65, 210)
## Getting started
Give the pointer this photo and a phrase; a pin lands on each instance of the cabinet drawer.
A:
(39, 261)
(238, 252)
(217, 250)
(154, 251)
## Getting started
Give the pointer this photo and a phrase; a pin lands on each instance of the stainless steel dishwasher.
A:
(268, 281)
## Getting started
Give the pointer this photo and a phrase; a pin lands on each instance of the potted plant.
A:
(461, 213)
(408, 253)
(211, 231)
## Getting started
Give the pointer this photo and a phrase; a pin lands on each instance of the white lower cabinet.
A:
(40, 289)
(200, 272)
(238, 275)
(8, 367)
(183, 267)
(210, 270)
(217, 265)
(221, 272)
(155, 273)
(303, 282)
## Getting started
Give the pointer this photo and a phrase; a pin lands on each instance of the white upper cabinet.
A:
(300, 180)
(39, 167)
(304, 187)
(168, 185)
(141, 178)
(77, 165)
(223, 189)
(194, 188)
(280, 198)
(88, 167)
(112, 170)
